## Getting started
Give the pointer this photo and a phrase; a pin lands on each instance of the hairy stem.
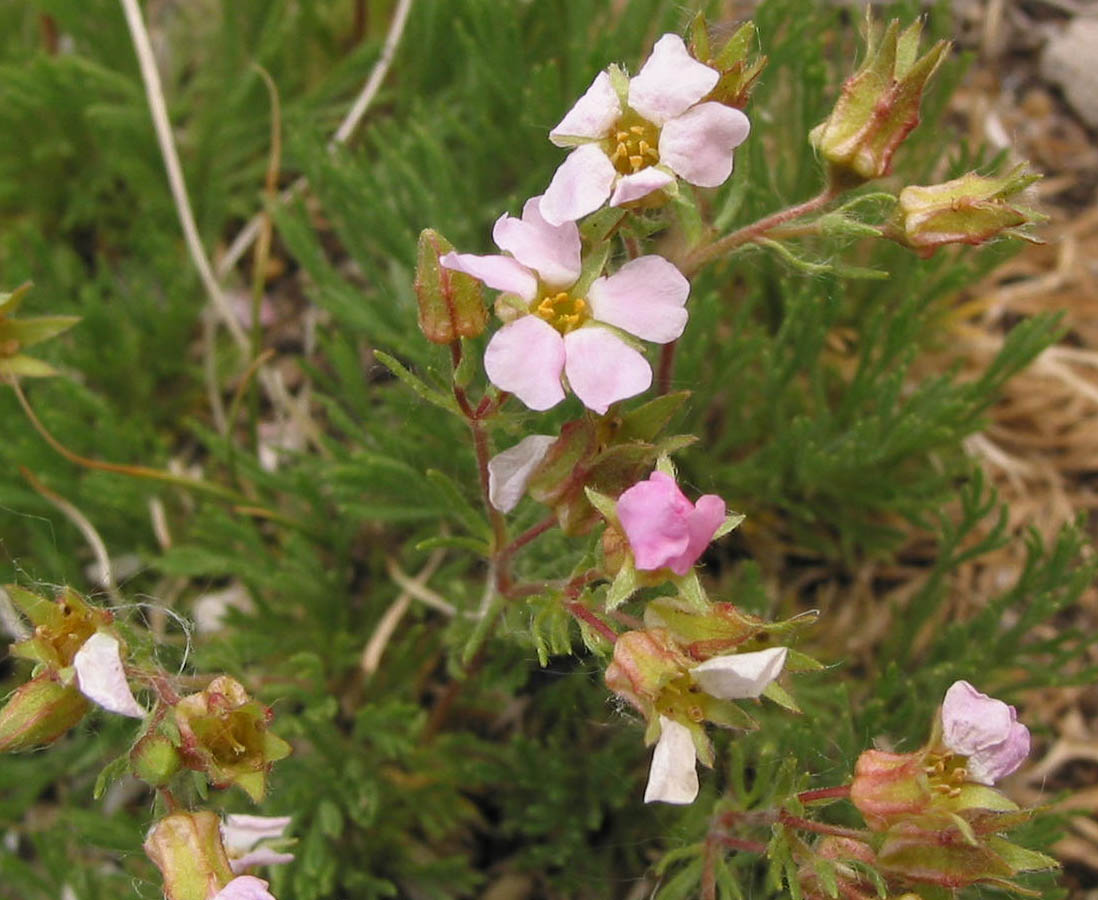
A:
(699, 256)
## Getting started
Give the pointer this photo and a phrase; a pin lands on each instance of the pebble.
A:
(1068, 62)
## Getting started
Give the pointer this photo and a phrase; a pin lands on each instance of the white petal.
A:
(670, 81)
(639, 184)
(603, 369)
(645, 297)
(526, 357)
(741, 675)
(553, 251)
(698, 145)
(244, 887)
(264, 856)
(102, 678)
(673, 777)
(510, 471)
(591, 117)
(498, 272)
(240, 833)
(580, 186)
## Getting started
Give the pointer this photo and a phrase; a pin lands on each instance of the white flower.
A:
(672, 777)
(101, 676)
(243, 835)
(624, 152)
(509, 471)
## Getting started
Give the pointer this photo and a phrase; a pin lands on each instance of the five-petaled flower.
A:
(570, 332)
(673, 777)
(664, 529)
(628, 147)
(985, 730)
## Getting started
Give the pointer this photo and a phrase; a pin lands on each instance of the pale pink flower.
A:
(673, 776)
(101, 676)
(243, 837)
(627, 151)
(665, 529)
(570, 336)
(244, 887)
(985, 730)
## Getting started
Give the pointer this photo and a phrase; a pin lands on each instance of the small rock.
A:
(1069, 62)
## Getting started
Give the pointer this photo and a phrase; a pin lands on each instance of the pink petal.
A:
(972, 721)
(603, 369)
(244, 887)
(264, 856)
(706, 517)
(673, 777)
(580, 186)
(740, 676)
(645, 297)
(655, 517)
(639, 184)
(526, 357)
(102, 678)
(988, 766)
(242, 832)
(591, 117)
(698, 145)
(985, 730)
(498, 272)
(510, 471)
(553, 251)
(670, 81)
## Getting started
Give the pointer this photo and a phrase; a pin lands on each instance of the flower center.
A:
(633, 144)
(946, 773)
(563, 311)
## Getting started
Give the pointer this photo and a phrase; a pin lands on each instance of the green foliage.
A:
(451, 766)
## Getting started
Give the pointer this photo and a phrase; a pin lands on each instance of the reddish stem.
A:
(742, 844)
(667, 367)
(582, 613)
(831, 793)
(821, 827)
(699, 256)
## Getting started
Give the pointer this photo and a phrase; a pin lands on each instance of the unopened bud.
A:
(644, 663)
(879, 104)
(155, 760)
(451, 304)
(39, 712)
(739, 68)
(187, 849)
(889, 786)
(971, 209)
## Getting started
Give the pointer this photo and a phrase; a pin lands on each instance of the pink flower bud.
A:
(879, 105)
(889, 786)
(665, 530)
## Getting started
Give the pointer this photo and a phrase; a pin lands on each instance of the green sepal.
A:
(623, 586)
(699, 38)
(737, 47)
(594, 262)
(726, 714)
(21, 366)
(731, 522)
(1021, 859)
(620, 82)
(109, 774)
(29, 332)
(646, 421)
(10, 301)
(781, 696)
(451, 303)
(598, 226)
(692, 592)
